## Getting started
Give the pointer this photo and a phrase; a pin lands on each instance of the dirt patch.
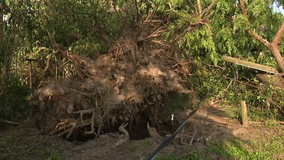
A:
(211, 125)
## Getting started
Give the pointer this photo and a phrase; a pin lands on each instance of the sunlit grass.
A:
(259, 148)
(262, 147)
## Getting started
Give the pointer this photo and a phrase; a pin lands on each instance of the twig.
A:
(210, 65)
(100, 125)
(192, 138)
(253, 122)
(60, 134)
(72, 128)
(33, 146)
(63, 64)
(159, 42)
(9, 122)
(85, 94)
(208, 8)
(48, 63)
(149, 101)
(181, 137)
(242, 82)
(91, 110)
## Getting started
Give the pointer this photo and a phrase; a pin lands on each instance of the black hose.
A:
(167, 141)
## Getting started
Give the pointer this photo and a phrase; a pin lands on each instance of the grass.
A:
(168, 156)
(265, 147)
(20, 147)
(269, 146)
(146, 143)
(54, 156)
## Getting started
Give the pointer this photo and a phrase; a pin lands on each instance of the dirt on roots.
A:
(127, 85)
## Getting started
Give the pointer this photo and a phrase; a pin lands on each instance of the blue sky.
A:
(278, 9)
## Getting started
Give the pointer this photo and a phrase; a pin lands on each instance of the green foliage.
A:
(54, 156)
(146, 143)
(16, 100)
(168, 156)
(88, 47)
(241, 23)
(209, 78)
(177, 102)
(258, 7)
(254, 149)
(223, 6)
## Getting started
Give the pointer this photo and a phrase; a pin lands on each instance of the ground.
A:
(217, 136)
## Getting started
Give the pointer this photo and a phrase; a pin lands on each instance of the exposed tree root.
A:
(72, 129)
(114, 88)
(125, 137)
(192, 137)
(92, 124)
(152, 132)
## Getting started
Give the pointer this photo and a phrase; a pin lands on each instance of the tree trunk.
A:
(278, 58)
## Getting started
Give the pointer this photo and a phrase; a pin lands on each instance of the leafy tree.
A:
(257, 9)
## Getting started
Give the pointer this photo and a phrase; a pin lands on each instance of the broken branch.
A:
(9, 122)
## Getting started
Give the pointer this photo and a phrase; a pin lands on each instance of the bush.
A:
(14, 99)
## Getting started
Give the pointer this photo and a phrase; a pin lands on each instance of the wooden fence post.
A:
(244, 114)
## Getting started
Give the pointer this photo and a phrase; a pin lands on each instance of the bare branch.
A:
(243, 7)
(278, 35)
(258, 37)
(208, 8)
(199, 8)
(72, 128)
(9, 122)
(253, 33)
(192, 5)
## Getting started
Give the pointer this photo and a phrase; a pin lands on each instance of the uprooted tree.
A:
(103, 63)
(129, 83)
(112, 89)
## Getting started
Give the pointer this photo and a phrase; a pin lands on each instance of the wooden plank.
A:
(250, 64)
